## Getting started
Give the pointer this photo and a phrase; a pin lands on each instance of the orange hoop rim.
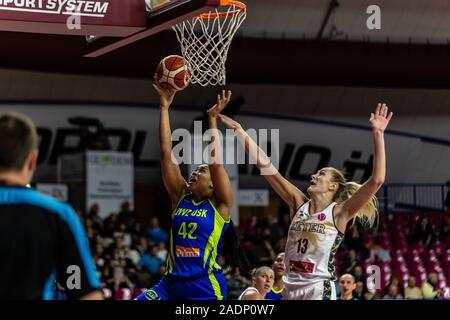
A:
(223, 3)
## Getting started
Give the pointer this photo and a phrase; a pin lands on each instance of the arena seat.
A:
(122, 294)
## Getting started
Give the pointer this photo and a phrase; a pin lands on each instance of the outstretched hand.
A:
(380, 119)
(228, 122)
(222, 101)
(165, 95)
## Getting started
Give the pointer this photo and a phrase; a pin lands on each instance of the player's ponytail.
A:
(368, 214)
(233, 253)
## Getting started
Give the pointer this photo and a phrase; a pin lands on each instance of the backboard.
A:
(160, 15)
(114, 23)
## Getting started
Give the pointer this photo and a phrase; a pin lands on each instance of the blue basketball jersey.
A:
(274, 295)
(195, 238)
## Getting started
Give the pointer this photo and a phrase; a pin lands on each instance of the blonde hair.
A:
(257, 271)
(368, 214)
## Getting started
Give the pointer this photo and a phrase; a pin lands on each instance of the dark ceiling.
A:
(250, 60)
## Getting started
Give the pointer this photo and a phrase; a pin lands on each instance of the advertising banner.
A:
(110, 180)
(77, 17)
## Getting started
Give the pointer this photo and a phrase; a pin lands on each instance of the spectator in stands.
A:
(412, 291)
(372, 295)
(137, 232)
(142, 245)
(123, 234)
(93, 209)
(92, 238)
(350, 262)
(162, 251)
(347, 285)
(276, 232)
(150, 262)
(236, 283)
(132, 254)
(121, 280)
(155, 233)
(143, 279)
(107, 277)
(125, 215)
(116, 247)
(285, 223)
(394, 281)
(110, 225)
(99, 257)
(423, 232)
(429, 288)
(132, 269)
(93, 214)
(251, 229)
(359, 291)
(87, 223)
(358, 274)
(393, 292)
(264, 251)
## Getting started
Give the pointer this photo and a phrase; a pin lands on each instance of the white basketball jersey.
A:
(312, 243)
(249, 289)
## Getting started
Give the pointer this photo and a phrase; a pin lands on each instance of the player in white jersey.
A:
(318, 223)
(262, 282)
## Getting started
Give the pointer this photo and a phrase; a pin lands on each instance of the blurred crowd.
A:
(126, 254)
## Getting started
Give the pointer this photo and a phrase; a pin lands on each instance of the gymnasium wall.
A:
(306, 143)
(18, 85)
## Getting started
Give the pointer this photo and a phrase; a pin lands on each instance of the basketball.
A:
(172, 73)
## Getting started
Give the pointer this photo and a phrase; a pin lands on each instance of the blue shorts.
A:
(210, 287)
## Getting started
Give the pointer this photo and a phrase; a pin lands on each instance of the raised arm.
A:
(291, 195)
(173, 180)
(349, 208)
(223, 192)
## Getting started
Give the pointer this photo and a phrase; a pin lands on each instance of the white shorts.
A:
(324, 290)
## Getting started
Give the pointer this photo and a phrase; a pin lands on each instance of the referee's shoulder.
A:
(33, 198)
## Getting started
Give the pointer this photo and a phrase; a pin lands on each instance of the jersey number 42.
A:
(187, 231)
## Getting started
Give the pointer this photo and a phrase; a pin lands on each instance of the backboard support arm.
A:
(155, 23)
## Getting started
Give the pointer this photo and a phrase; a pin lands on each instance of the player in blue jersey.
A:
(279, 270)
(200, 217)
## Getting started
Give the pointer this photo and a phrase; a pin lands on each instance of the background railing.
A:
(424, 196)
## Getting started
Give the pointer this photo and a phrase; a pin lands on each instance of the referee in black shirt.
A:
(42, 240)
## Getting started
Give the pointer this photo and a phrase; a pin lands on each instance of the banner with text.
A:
(305, 145)
(110, 180)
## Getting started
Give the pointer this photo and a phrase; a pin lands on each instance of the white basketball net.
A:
(205, 43)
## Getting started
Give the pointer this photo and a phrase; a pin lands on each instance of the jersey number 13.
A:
(302, 245)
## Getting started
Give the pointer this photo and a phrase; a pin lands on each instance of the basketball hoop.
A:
(205, 41)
